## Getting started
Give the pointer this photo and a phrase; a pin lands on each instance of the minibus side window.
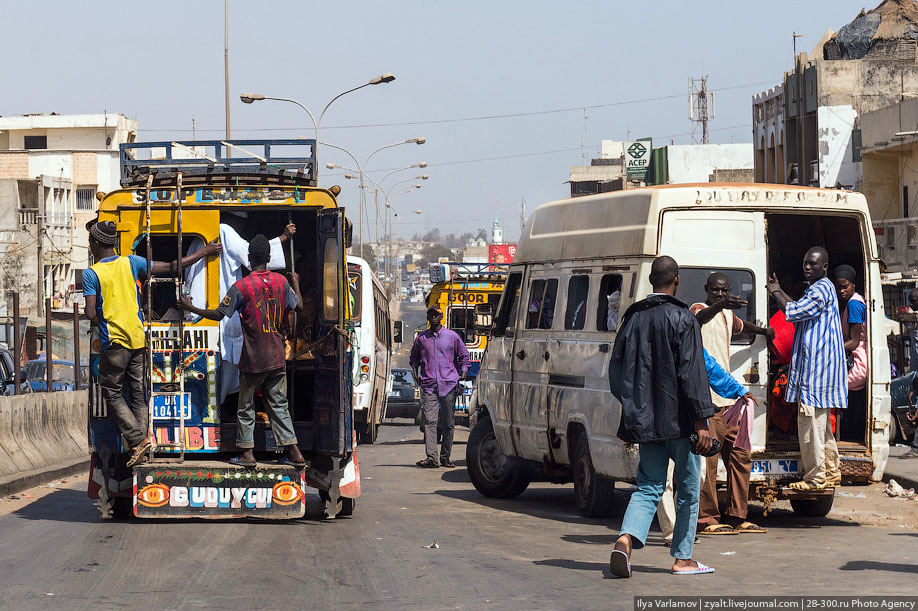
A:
(578, 288)
(610, 298)
(541, 310)
(507, 309)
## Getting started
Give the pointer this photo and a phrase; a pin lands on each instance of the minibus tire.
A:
(494, 474)
(813, 508)
(593, 493)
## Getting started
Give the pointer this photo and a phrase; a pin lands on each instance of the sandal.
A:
(701, 570)
(807, 486)
(238, 462)
(719, 529)
(139, 454)
(749, 527)
(619, 564)
(286, 461)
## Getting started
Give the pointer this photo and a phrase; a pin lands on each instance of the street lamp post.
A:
(361, 173)
(248, 98)
(395, 214)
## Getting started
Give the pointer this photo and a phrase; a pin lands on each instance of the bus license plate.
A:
(165, 407)
(775, 466)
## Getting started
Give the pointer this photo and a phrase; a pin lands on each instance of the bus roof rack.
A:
(203, 162)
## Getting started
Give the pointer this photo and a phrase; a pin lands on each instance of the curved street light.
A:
(249, 98)
(360, 170)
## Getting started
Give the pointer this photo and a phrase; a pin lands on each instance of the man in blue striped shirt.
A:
(817, 379)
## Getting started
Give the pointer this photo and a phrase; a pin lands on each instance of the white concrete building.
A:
(51, 167)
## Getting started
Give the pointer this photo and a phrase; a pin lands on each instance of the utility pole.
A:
(226, 63)
(700, 110)
(40, 264)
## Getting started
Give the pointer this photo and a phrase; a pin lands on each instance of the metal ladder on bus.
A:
(178, 281)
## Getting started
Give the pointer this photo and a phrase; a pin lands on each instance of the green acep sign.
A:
(637, 159)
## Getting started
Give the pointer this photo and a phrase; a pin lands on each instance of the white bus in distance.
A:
(372, 353)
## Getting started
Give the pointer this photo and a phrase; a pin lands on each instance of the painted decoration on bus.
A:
(196, 491)
(198, 362)
(218, 195)
(501, 253)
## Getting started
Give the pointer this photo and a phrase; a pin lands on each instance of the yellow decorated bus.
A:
(465, 292)
(175, 198)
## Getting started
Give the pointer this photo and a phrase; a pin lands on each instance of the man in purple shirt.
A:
(439, 358)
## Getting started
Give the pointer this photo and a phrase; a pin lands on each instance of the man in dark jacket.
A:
(657, 373)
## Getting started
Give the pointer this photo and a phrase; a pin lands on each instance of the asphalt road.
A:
(533, 552)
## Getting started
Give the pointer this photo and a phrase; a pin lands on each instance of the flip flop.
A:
(718, 529)
(701, 570)
(285, 461)
(749, 527)
(236, 461)
(619, 564)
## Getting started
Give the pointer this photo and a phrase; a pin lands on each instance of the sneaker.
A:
(428, 464)
(910, 454)
(445, 462)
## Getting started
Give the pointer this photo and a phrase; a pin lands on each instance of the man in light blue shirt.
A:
(817, 379)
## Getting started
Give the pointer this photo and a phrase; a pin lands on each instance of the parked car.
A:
(6, 372)
(405, 396)
(33, 375)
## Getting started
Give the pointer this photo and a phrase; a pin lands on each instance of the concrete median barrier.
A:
(42, 436)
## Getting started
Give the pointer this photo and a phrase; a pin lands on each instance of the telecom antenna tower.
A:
(701, 108)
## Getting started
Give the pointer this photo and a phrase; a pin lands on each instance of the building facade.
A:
(51, 168)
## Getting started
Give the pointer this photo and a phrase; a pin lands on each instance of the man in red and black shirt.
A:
(261, 298)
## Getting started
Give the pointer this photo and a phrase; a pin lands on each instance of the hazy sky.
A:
(162, 63)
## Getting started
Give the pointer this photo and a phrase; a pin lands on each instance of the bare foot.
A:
(247, 457)
(293, 452)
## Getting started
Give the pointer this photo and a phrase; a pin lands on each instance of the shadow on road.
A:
(61, 506)
(549, 503)
(591, 539)
(873, 565)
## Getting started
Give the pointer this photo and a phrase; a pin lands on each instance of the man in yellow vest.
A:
(112, 294)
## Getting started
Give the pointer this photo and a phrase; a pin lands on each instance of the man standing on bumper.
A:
(657, 372)
(112, 294)
(439, 358)
(818, 376)
(262, 299)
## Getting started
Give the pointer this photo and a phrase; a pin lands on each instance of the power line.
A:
(476, 118)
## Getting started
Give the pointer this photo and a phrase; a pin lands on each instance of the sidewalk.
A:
(11, 484)
(903, 470)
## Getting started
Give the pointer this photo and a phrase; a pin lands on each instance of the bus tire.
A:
(494, 474)
(593, 493)
(813, 508)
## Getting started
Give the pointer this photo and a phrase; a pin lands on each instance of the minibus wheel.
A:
(813, 508)
(493, 473)
(593, 493)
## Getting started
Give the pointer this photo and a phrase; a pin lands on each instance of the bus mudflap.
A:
(211, 489)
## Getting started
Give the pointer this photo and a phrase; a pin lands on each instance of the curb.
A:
(11, 484)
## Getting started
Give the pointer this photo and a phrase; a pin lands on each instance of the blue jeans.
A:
(651, 479)
(274, 392)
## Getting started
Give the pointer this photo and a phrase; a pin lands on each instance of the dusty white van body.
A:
(543, 387)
